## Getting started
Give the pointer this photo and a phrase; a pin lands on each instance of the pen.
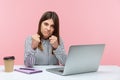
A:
(26, 69)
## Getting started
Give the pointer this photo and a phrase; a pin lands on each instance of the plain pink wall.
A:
(81, 22)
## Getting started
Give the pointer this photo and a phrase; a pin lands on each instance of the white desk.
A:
(109, 72)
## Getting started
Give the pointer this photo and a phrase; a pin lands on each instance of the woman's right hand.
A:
(35, 41)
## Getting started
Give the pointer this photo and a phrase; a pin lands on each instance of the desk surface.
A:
(105, 72)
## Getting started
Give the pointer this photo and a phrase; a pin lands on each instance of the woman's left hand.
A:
(53, 41)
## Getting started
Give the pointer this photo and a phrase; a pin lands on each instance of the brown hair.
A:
(49, 15)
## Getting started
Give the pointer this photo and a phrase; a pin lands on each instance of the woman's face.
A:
(47, 28)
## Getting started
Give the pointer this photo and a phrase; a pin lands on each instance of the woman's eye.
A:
(46, 24)
(52, 26)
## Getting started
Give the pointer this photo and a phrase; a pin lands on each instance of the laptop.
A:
(81, 59)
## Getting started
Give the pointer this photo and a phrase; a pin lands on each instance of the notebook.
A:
(81, 59)
(28, 70)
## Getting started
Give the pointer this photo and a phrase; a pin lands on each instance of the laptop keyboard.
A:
(58, 69)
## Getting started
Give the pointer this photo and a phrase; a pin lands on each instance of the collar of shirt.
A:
(44, 41)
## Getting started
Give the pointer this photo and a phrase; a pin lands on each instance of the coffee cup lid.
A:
(9, 57)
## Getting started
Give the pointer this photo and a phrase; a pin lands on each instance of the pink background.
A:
(81, 22)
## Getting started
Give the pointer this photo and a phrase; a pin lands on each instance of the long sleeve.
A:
(60, 53)
(29, 58)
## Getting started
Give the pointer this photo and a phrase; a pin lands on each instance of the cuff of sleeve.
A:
(56, 50)
(32, 50)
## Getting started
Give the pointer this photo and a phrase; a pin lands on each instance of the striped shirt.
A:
(37, 57)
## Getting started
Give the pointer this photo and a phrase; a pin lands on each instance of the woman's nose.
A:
(48, 27)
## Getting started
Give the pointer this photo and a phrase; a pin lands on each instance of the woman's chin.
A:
(46, 37)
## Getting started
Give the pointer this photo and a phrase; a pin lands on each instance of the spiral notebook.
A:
(28, 70)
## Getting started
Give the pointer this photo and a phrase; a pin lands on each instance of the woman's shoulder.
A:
(28, 38)
(61, 40)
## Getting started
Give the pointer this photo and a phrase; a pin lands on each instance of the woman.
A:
(46, 47)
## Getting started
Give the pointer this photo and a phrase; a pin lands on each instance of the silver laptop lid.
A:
(83, 58)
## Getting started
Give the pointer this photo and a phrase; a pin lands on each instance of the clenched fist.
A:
(35, 41)
(53, 41)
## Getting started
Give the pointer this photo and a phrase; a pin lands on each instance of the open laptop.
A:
(81, 59)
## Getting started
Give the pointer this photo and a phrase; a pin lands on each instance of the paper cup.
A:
(9, 63)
